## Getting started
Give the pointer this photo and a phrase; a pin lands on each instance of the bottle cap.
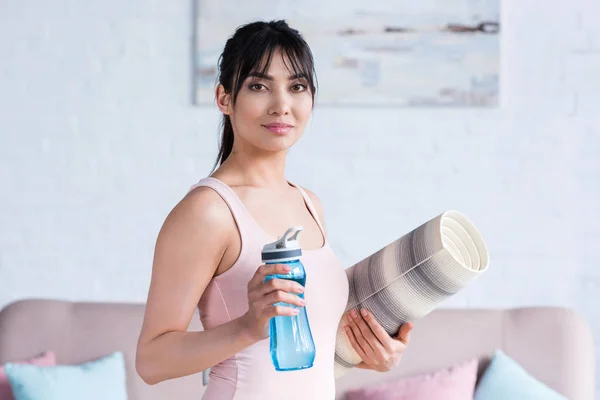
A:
(283, 249)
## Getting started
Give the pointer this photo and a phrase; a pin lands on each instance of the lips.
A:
(279, 128)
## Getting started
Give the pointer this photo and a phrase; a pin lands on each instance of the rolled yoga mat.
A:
(410, 277)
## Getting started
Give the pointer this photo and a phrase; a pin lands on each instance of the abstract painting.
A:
(373, 53)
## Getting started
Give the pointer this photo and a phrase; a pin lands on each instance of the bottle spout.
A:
(294, 238)
(289, 240)
(292, 242)
(285, 248)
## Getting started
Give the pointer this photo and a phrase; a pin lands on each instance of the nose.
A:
(280, 103)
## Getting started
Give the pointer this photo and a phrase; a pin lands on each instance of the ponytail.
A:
(226, 144)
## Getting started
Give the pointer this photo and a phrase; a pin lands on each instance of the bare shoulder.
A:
(205, 203)
(201, 212)
(318, 204)
(200, 225)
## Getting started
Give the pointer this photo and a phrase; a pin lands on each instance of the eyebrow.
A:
(270, 78)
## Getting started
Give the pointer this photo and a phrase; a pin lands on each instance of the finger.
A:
(279, 296)
(353, 317)
(265, 270)
(356, 346)
(384, 338)
(404, 332)
(373, 341)
(274, 311)
(273, 285)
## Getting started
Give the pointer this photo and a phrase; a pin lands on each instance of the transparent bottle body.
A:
(291, 342)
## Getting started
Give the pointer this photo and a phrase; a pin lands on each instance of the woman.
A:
(208, 251)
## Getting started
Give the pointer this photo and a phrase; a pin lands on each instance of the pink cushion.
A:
(46, 359)
(453, 383)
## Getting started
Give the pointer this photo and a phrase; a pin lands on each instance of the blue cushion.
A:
(100, 379)
(505, 379)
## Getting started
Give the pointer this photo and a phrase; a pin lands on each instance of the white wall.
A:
(98, 140)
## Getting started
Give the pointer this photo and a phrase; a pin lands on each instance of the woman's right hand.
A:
(263, 295)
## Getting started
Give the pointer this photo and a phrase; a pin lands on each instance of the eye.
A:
(256, 86)
(299, 87)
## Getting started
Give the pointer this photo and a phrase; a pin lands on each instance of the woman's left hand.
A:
(378, 350)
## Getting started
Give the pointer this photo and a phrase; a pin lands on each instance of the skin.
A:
(199, 240)
(378, 350)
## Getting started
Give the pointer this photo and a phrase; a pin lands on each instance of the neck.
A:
(258, 170)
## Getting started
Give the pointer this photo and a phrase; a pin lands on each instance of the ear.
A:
(223, 100)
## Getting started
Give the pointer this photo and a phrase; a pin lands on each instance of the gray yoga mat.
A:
(410, 277)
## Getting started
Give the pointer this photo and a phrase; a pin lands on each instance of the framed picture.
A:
(373, 53)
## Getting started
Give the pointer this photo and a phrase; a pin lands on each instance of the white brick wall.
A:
(98, 141)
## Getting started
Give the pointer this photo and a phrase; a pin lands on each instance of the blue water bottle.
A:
(291, 342)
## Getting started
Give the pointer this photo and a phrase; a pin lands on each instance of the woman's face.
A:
(271, 110)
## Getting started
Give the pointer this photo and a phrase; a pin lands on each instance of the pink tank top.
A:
(250, 373)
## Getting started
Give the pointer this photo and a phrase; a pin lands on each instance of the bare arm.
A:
(188, 251)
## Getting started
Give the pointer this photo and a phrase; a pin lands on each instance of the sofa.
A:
(553, 344)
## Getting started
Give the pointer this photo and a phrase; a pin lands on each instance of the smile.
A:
(280, 129)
